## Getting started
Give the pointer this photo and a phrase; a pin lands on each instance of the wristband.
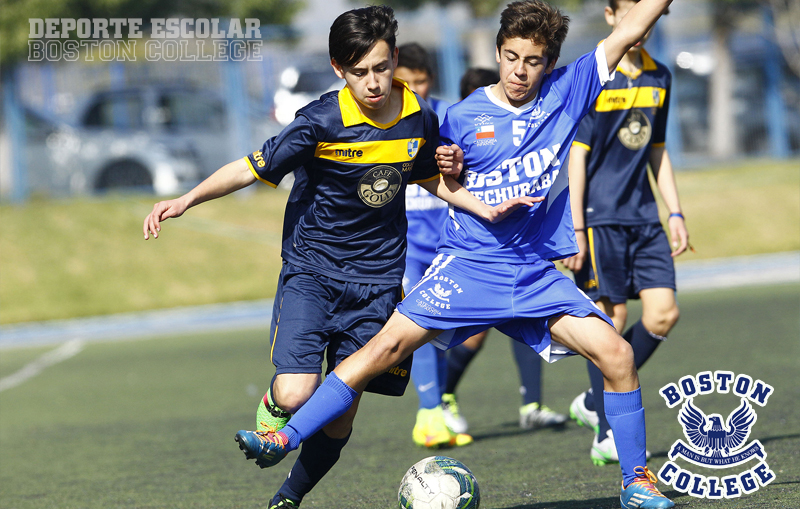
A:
(676, 214)
(579, 229)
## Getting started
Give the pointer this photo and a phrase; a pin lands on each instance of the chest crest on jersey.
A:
(379, 186)
(636, 130)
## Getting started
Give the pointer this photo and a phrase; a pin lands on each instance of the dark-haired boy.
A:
(624, 252)
(501, 276)
(353, 153)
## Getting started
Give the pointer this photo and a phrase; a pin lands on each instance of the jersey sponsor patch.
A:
(636, 131)
(379, 186)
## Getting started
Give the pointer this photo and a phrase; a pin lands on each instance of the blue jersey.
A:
(626, 121)
(509, 152)
(345, 217)
(425, 212)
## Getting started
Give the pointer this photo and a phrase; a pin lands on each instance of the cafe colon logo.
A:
(714, 444)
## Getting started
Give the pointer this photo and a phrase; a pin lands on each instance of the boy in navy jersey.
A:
(514, 136)
(353, 153)
(624, 252)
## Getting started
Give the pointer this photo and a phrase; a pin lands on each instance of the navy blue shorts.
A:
(318, 318)
(624, 260)
(464, 297)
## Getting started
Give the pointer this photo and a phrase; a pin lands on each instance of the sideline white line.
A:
(62, 353)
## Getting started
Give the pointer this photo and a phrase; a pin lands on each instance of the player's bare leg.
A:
(596, 340)
(396, 341)
(659, 310)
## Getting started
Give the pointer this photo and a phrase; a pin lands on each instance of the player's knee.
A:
(291, 396)
(662, 321)
(615, 360)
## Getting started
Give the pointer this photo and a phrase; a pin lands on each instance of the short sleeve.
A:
(425, 167)
(284, 153)
(585, 130)
(583, 80)
(660, 123)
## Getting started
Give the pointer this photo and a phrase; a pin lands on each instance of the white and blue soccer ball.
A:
(439, 482)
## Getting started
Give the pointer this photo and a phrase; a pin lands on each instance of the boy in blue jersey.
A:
(353, 153)
(514, 137)
(624, 252)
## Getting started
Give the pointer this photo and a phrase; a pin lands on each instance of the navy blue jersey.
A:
(509, 152)
(628, 118)
(425, 212)
(345, 217)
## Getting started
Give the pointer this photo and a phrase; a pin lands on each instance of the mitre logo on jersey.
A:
(711, 443)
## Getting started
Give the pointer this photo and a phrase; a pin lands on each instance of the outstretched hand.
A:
(450, 159)
(499, 212)
(162, 211)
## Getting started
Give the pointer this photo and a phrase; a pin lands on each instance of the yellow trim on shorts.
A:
(275, 336)
(590, 234)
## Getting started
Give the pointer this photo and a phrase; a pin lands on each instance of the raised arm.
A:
(639, 20)
(231, 177)
(454, 193)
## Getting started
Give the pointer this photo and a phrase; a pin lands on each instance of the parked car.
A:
(301, 85)
(155, 138)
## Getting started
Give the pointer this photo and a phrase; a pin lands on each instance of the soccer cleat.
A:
(583, 416)
(534, 416)
(431, 430)
(282, 503)
(268, 447)
(642, 492)
(455, 421)
(605, 451)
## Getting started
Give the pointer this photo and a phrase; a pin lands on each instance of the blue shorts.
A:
(464, 297)
(624, 260)
(318, 318)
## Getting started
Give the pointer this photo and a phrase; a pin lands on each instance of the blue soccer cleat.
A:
(268, 447)
(642, 492)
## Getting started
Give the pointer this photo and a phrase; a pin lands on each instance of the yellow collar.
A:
(351, 113)
(648, 64)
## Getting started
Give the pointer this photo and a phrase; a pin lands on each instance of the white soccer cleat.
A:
(583, 416)
(534, 416)
(605, 451)
(452, 417)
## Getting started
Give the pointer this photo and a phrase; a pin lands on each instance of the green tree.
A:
(14, 14)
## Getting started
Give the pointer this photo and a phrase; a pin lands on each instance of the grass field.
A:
(150, 423)
(86, 257)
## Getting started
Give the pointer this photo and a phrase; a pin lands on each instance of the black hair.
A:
(355, 32)
(536, 21)
(476, 78)
(413, 56)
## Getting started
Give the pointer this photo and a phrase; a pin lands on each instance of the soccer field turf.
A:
(150, 423)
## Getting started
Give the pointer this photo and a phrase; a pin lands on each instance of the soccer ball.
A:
(439, 482)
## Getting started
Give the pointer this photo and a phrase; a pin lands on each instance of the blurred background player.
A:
(426, 215)
(624, 252)
(532, 414)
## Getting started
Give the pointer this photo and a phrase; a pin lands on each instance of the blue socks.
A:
(626, 416)
(331, 399)
(644, 344)
(427, 372)
(595, 402)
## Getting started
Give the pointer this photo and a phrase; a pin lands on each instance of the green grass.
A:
(150, 423)
(84, 257)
